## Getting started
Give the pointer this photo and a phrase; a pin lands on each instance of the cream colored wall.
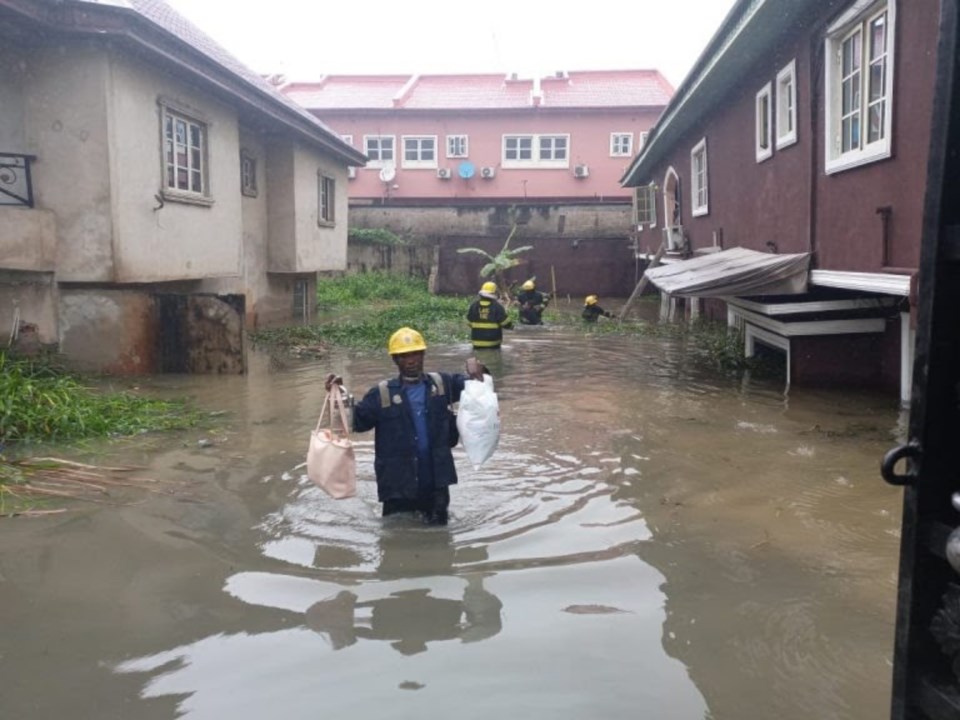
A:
(28, 239)
(281, 207)
(65, 125)
(12, 71)
(319, 247)
(178, 241)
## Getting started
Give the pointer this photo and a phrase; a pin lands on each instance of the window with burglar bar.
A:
(16, 185)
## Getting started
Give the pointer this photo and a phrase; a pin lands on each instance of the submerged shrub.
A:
(40, 402)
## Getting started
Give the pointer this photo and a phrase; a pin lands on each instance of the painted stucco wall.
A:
(297, 241)
(573, 220)
(28, 239)
(180, 240)
(34, 295)
(108, 330)
(65, 121)
(12, 72)
(589, 132)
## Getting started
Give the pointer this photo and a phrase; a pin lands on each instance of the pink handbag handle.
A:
(334, 398)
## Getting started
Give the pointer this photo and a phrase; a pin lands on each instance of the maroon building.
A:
(801, 134)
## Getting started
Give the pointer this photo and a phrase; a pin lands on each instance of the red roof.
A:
(606, 88)
(590, 89)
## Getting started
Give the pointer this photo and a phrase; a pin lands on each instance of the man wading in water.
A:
(415, 429)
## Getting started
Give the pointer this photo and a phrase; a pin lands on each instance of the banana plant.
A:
(501, 262)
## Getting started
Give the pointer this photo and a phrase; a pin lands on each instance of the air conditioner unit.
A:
(351, 172)
(444, 173)
(487, 173)
(581, 171)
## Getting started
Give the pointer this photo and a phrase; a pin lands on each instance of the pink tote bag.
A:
(330, 460)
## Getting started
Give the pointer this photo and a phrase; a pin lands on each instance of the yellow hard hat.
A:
(405, 340)
(591, 300)
(489, 287)
(528, 285)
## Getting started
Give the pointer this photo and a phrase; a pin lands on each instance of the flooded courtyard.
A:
(652, 539)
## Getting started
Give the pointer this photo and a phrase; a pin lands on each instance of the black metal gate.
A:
(926, 677)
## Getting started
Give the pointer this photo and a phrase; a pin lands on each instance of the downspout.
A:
(816, 75)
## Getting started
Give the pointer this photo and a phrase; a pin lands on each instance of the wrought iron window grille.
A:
(16, 186)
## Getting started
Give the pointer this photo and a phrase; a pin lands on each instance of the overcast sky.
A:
(306, 40)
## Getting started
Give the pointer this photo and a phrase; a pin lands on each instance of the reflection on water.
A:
(650, 540)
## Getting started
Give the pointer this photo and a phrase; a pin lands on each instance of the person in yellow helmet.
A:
(532, 302)
(487, 318)
(592, 309)
(415, 429)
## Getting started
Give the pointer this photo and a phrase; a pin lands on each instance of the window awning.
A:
(733, 272)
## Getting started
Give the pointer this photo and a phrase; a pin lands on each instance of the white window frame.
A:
(380, 161)
(535, 150)
(621, 144)
(418, 144)
(453, 141)
(643, 140)
(858, 20)
(196, 161)
(326, 200)
(348, 139)
(645, 206)
(699, 180)
(763, 123)
(786, 104)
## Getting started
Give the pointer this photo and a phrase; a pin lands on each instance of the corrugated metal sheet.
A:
(733, 272)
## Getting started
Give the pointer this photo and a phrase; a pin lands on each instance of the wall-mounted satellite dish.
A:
(388, 173)
(466, 170)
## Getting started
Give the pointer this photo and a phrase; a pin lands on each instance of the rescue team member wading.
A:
(487, 318)
(592, 310)
(532, 302)
(414, 429)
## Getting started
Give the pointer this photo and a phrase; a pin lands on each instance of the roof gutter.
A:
(731, 50)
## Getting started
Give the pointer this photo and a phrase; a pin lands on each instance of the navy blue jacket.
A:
(395, 444)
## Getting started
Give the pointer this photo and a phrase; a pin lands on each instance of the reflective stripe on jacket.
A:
(487, 319)
(395, 445)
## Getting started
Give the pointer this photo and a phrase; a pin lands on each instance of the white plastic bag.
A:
(478, 420)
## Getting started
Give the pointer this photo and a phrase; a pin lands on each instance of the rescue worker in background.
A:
(532, 302)
(592, 310)
(415, 429)
(487, 318)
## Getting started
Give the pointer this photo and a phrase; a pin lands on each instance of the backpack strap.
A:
(384, 394)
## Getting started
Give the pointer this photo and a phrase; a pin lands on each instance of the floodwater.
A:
(652, 539)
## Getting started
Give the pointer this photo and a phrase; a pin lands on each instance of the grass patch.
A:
(383, 303)
(42, 403)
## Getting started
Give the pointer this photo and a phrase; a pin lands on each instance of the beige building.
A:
(156, 197)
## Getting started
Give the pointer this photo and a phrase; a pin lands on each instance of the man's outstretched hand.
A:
(475, 370)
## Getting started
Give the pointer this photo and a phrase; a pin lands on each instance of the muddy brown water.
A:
(652, 539)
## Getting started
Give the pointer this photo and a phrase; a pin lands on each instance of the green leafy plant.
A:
(40, 402)
(501, 262)
(374, 236)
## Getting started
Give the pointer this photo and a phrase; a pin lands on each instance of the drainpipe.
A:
(816, 77)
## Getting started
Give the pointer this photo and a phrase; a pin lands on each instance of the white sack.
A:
(478, 420)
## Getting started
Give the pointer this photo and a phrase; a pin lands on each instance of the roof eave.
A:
(721, 66)
(127, 25)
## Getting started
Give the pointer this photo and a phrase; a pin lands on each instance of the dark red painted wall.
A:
(605, 266)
